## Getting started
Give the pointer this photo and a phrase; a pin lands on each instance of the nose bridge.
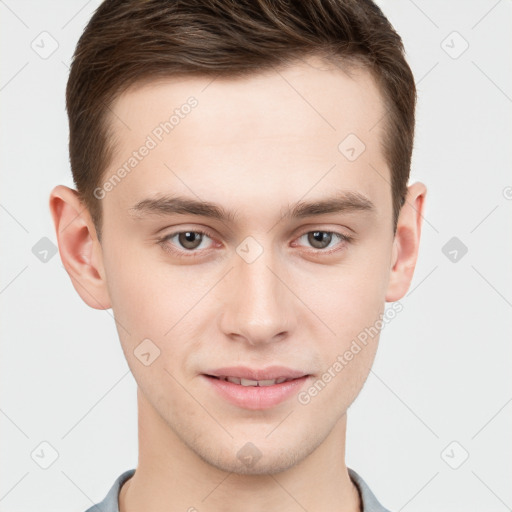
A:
(259, 307)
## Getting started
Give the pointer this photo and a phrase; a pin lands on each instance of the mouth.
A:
(256, 389)
(249, 382)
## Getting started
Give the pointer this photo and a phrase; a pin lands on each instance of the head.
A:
(242, 200)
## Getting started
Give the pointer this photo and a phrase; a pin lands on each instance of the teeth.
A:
(270, 382)
(250, 382)
(247, 382)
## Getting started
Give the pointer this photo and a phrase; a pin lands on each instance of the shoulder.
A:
(368, 500)
(110, 502)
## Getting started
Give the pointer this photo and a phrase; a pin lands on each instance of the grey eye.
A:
(319, 239)
(190, 239)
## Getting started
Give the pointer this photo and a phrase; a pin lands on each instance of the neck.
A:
(170, 476)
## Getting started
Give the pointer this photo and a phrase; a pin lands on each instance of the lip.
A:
(256, 397)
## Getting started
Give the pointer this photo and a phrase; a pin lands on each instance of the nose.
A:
(258, 308)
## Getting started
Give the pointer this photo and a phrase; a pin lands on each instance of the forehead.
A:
(306, 126)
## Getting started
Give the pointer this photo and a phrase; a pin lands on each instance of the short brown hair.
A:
(131, 41)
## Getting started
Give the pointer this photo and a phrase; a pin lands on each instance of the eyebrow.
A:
(180, 205)
(339, 203)
(342, 202)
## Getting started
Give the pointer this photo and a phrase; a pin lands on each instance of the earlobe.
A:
(406, 242)
(79, 248)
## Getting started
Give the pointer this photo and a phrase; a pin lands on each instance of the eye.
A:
(185, 241)
(321, 240)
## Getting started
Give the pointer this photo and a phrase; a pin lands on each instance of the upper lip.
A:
(269, 373)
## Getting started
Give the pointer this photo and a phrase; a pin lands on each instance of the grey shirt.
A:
(111, 501)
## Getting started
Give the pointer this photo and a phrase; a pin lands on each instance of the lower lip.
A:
(256, 397)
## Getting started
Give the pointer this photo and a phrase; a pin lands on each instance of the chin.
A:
(268, 465)
(259, 458)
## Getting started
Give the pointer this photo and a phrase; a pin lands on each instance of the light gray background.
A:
(442, 373)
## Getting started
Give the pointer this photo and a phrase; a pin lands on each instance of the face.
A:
(251, 239)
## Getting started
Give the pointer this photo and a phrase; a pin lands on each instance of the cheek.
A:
(351, 296)
(148, 295)
(352, 306)
(152, 300)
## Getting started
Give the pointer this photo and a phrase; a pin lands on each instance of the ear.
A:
(406, 242)
(79, 247)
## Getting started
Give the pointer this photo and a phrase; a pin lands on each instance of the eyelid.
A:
(311, 229)
(334, 229)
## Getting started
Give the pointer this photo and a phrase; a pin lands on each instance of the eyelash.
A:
(343, 240)
(185, 253)
(192, 253)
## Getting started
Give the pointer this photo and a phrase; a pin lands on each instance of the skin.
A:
(255, 147)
